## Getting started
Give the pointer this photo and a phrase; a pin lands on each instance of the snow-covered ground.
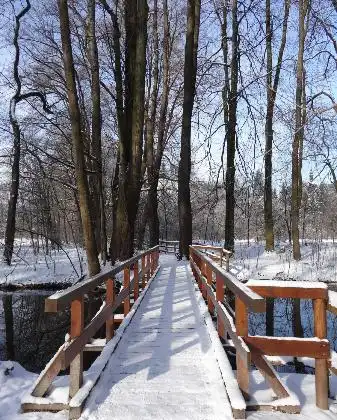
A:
(318, 263)
(15, 382)
(60, 266)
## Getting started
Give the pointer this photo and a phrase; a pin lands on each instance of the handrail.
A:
(61, 299)
(222, 251)
(71, 352)
(254, 301)
(257, 348)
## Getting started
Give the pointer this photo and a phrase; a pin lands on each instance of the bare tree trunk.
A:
(15, 173)
(96, 129)
(269, 132)
(184, 170)
(150, 215)
(131, 150)
(78, 144)
(299, 133)
(231, 87)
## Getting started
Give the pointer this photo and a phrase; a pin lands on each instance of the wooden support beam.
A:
(270, 375)
(321, 364)
(239, 344)
(76, 328)
(241, 324)
(48, 374)
(220, 296)
(143, 272)
(110, 296)
(210, 301)
(126, 285)
(289, 346)
(136, 277)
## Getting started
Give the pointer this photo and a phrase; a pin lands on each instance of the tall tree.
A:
(154, 155)
(77, 141)
(131, 134)
(15, 173)
(184, 170)
(272, 86)
(230, 102)
(300, 112)
(96, 129)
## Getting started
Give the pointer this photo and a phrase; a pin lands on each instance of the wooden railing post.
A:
(220, 296)
(209, 275)
(221, 257)
(321, 365)
(126, 284)
(143, 271)
(109, 298)
(227, 261)
(241, 324)
(148, 267)
(76, 328)
(204, 274)
(136, 277)
(153, 262)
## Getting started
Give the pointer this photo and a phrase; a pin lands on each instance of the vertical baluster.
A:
(126, 284)
(109, 298)
(321, 365)
(227, 261)
(209, 275)
(143, 271)
(241, 324)
(148, 267)
(136, 277)
(220, 296)
(76, 328)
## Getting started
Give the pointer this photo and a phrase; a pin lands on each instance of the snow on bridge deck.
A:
(164, 366)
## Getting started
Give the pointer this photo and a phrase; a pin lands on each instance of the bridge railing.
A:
(217, 253)
(142, 266)
(168, 246)
(212, 281)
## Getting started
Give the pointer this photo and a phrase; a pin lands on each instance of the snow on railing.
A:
(71, 352)
(213, 281)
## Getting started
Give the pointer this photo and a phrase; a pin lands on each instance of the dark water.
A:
(33, 336)
(283, 321)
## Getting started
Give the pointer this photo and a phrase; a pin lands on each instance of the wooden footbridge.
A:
(161, 352)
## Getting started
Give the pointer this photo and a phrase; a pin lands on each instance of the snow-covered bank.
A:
(15, 382)
(318, 263)
(28, 269)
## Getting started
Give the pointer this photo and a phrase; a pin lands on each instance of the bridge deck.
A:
(164, 366)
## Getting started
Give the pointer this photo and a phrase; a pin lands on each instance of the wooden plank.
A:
(255, 302)
(220, 296)
(110, 295)
(321, 364)
(143, 272)
(289, 346)
(240, 346)
(76, 328)
(62, 299)
(136, 277)
(270, 375)
(48, 374)
(289, 289)
(43, 405)
(126, 286)
(211, 301)
(241, 325)
(332, 303)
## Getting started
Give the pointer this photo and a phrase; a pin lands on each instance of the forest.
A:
(126, 121)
